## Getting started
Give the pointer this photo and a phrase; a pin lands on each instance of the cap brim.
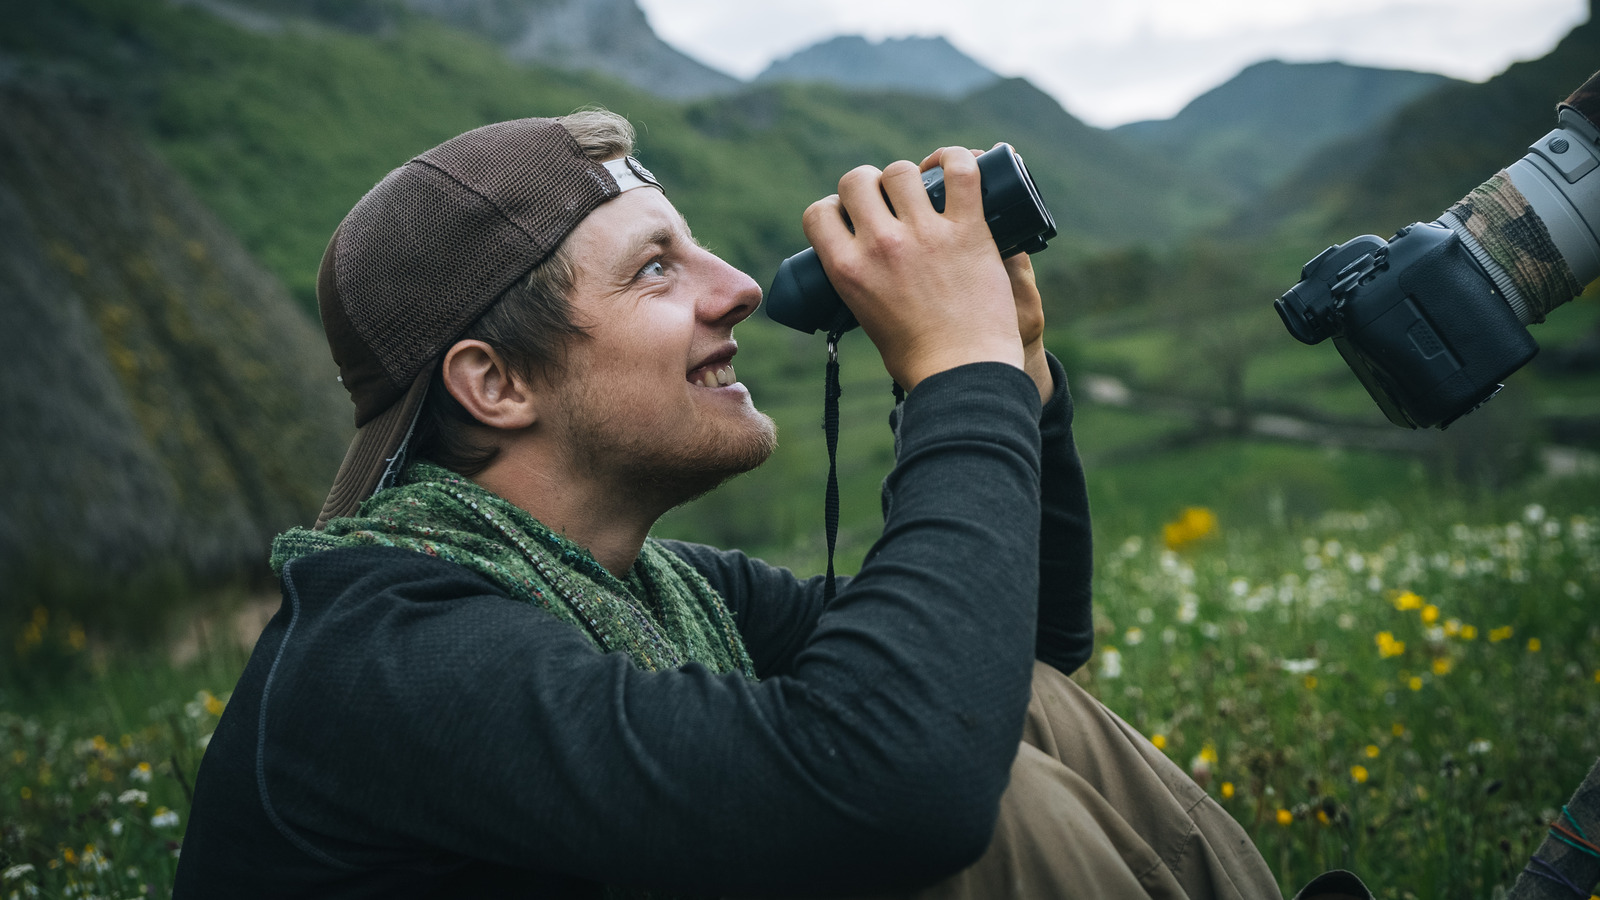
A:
(376, 447)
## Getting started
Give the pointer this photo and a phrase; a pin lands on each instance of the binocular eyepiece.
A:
(802, 297)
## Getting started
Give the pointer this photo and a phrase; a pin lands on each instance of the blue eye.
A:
(653, 268)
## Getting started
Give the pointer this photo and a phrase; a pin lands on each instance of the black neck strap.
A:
(830, 428)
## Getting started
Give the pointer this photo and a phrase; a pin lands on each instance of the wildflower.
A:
(1407, 601)
(1452, 627)
(1359, 774)
(1285, 818)
(1110, 663)
(141, 773)
(15, 872)
(1193, 524)
(133, 796)
(1429, 614)
(1397, 730)
(1159, 741)
(1322, 817)
(1299, 666)
(1415, 683)
(1533, 513)
(211, 703)
(26, 792)
(1496, 635)
(1469, 632)
(164, 818)
(1388, 646)
(1534, 646)
(1479, 747)
(1134, 636)
(1227, 790)
(1208, 752)
(68, 856)
(1310, 682)
(1373, 751)
(115, 825)
(1441, 666)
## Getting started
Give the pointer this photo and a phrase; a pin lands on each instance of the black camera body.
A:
(1417, 319)
(802, 297)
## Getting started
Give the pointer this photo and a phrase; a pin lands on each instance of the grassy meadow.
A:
(1407, 690)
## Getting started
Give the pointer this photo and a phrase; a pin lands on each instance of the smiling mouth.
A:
(718, 374)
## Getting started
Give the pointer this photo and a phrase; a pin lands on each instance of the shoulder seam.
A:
(283, 827)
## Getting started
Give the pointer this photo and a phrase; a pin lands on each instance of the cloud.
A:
(1112, 63)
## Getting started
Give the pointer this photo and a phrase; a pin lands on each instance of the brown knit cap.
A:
(421, 257)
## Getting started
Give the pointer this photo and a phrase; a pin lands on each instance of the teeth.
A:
(717, 376)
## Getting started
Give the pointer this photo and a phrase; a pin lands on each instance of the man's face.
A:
(648, 400)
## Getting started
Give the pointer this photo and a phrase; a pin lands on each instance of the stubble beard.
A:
(660, 468)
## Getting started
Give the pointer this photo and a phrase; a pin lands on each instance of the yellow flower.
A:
(213, 705)
(69, 857)
(1415, 683)
(1496, 635)
(1534, 646)
(1388, 646)
(1194, 523)
(1322, 817)
(1407, 601)
(27, 793)
(1208, 752)
(1359, 773)
(1397, 730)
(1311, 682)
(1227, 790)
(1285, 817)
(1441, 666)
(1452, 627)
(1159, 740)
(1430, 614)
(1469, 632)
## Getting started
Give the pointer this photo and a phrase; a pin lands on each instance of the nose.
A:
(731, 296)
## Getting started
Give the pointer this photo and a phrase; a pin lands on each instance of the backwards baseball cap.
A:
(425, 253)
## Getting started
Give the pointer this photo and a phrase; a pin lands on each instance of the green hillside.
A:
(1262, 124)
(281, 113)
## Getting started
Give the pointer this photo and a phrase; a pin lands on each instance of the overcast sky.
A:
(1115, 61)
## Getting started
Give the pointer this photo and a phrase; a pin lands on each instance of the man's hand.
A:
(1030, 323)
(1030, 309)
(929, 289)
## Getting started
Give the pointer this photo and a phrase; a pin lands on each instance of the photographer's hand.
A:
(928, 289)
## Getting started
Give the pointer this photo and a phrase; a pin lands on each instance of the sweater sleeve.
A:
(777, 611)
(406, 713)
(1066, 546)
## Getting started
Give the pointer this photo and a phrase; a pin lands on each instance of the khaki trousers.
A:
(1095, 811)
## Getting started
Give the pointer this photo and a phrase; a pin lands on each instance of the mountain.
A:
(917, 65)
(1265, 122)
(608, 36)
(1429, 153)
(167, 406)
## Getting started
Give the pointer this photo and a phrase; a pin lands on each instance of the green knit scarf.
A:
(665, 614)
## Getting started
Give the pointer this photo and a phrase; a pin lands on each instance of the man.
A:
(486, 680)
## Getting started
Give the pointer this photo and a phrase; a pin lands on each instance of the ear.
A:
(481, 381)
